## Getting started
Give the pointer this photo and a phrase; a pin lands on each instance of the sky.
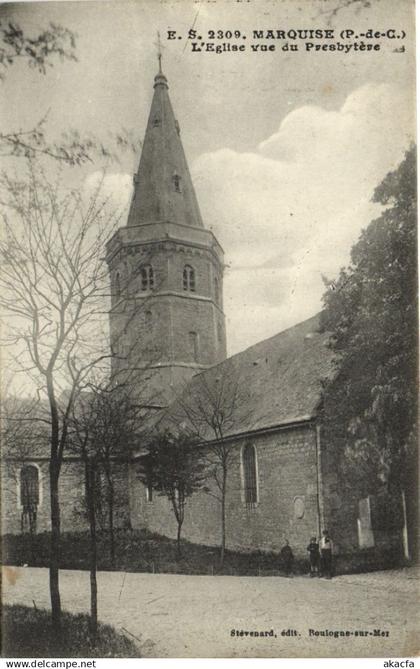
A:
(285, 148)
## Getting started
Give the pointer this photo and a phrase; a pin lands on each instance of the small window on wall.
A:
(250, 481)
(147, 277)
(148, 318)
(149, 493)
(176, 179)
(219, 333)
(117, 285)
(216, 289)
(188, 278)
(193, 339)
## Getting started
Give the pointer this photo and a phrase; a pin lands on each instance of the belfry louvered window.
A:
(249, 465)
(147, 278)
(188, 278)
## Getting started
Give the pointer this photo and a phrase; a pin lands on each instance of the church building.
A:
(167, 281)
(167, 326)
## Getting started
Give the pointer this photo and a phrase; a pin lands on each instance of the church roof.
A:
(163, 190)
(279, 380)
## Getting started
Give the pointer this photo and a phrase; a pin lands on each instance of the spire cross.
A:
(159, 46)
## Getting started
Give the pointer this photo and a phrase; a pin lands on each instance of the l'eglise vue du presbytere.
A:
(285, 480)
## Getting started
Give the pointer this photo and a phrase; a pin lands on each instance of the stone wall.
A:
(71, 490)
(175, 331)
(287, 485)
(10, 491)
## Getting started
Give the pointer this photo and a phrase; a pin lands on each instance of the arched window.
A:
(249, 466)
(117, 285)
(29, 496)
(188, 278)
(147, 278)
(29, 486)
(216, 289)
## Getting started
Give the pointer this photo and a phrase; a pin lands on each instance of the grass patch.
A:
(27, 632)
(140, 551)
(145, 551)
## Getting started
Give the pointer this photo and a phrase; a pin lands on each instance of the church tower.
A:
(166, 269)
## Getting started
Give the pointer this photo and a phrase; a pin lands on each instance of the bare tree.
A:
(70, 147)
(52, 285)
(211, 407)
(90, 471)
(54, 294)
(38, 50)
(80, 433)
(106, 424)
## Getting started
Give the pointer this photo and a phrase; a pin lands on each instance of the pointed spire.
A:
(163, 190)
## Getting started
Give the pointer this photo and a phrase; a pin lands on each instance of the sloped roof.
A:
(275, 382)
(278, 380)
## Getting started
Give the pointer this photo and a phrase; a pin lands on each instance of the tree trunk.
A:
(55, 548)
(55, 463)
(223, 544)
(90, 497)
(223, 509)
(32, 532)
(110, 496)
(179, 515)
(178, 539)
(111, 526)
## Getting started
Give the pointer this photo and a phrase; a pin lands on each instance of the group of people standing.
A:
(320, 556)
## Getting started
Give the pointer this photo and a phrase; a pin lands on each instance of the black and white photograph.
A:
(209, 329)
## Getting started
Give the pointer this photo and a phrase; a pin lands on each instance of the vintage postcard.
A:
(208, 288)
